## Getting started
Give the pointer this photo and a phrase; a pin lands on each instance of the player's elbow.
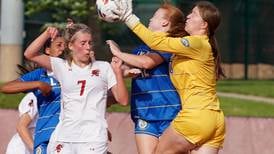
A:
(147, 63)
(19, 127)
(123, 101)
(28, 54)
(147, 66)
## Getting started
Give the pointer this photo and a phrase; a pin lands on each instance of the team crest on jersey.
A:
(141, 53)
(30, 103)
(95, 72)
(58, 148)
(185, 42)
(142, 124)
(38, 150)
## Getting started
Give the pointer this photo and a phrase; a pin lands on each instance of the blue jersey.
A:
(48, 106)
(153, 96)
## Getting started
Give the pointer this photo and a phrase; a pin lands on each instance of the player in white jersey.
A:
(84, 85)
(22, 141)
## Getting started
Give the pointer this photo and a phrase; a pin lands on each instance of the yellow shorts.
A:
(201, 127)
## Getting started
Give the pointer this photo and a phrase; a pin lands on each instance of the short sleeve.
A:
(32, 76)
(57, 66)
(28, 105)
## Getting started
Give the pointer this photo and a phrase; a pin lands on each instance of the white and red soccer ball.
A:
(104, 9)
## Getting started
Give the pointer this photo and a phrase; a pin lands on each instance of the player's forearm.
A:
(32, 53)
(140, 61)
(25, 136)
(33, 49)
(121, 92)
(19, 86)
(147, 36)
(158, 41)
(23, 130)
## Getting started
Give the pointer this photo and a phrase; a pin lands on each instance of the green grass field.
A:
(231, 106)
(250, 87)
(245, 108)
(10, 101)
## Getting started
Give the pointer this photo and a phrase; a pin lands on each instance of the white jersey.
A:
(83, 100)
(27, 105)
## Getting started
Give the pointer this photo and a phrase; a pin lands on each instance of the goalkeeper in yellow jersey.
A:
(154, 100)
(199, 127)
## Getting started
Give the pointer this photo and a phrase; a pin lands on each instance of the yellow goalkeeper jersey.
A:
(192, 68)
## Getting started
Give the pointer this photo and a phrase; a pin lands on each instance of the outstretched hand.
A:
(51, 32)
(45, 88)
(116, 64)
(124, 10)
(114, 47)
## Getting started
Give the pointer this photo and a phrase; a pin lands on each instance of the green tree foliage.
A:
(61, 9)
(84, 11)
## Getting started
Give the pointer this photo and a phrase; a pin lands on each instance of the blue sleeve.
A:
(32, 76)
(141, 49)
(145, 49)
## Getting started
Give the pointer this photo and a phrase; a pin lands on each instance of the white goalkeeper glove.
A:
(124, 13)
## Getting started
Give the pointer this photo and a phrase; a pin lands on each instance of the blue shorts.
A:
(154, 128)
(41, 149)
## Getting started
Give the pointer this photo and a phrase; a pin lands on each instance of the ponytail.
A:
(217, 57)
(211, 14)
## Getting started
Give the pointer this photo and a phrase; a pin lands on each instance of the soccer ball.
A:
(104, 9)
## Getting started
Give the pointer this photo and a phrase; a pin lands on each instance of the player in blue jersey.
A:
(47, 91)
(154, 100)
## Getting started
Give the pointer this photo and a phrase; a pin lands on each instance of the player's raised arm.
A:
(32, 52)
(119, 90)
(146, 61)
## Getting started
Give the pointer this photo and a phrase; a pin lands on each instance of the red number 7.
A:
(83, 85)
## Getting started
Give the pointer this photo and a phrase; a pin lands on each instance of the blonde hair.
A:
(70, 36)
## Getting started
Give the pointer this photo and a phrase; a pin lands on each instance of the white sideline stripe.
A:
(247, 97)
(153, 91)
(151, 107)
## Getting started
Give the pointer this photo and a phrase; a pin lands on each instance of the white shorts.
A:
(57, 147)
(77, 148)
(17, 146)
